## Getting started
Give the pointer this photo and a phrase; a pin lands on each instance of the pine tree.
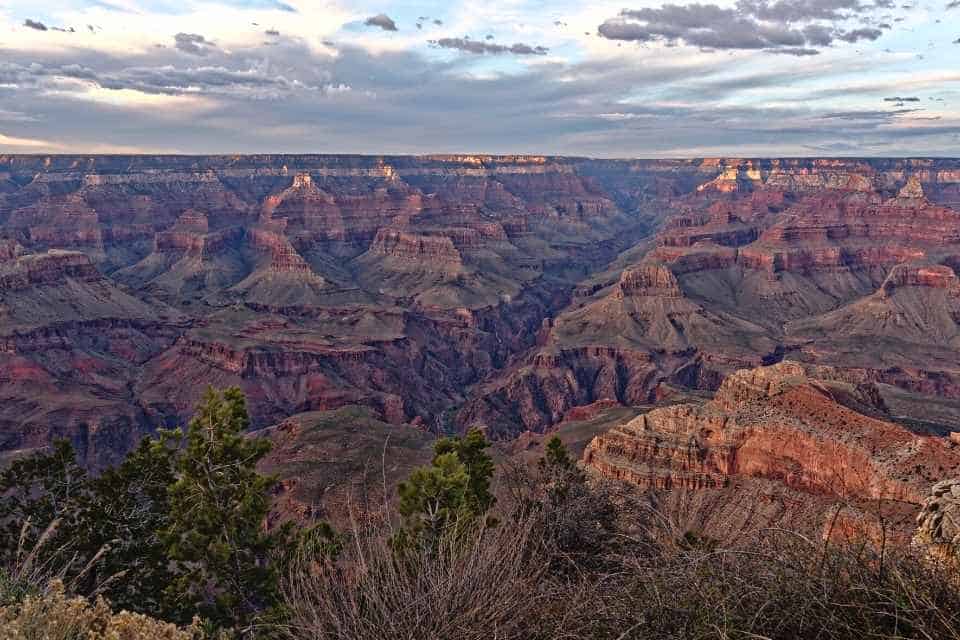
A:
(452, 492)
(578, 521)
(39, 491)
(218, 505)
(471, 451)
(557, 457)
(432, 498)
(558, 471)
(125, 512)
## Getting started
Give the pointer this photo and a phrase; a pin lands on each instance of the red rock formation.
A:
(421, 251)
(648, 280)
(933, 276)
(777, 423)
(45, 269)
(283, 257)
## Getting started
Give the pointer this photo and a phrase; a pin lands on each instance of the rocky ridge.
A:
(820, 439)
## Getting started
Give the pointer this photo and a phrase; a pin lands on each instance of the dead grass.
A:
(481, 585)
(659, 580)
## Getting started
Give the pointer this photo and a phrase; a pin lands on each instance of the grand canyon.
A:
(690, 324)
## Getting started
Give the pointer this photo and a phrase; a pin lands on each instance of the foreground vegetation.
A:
(173, 544)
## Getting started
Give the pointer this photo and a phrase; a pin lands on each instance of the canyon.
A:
(725, 320)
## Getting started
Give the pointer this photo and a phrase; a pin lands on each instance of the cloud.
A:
(955, 4)
(40, 26)
(794, 51)
(479, 47)
(16, 116)
(885, 116)
(788, 11)
(381, 20)
(860, 34)
(818, 35)
(406, 99)
(193, 43)
(899, 99)
(275, 5)
(790, 26)
(250, 83)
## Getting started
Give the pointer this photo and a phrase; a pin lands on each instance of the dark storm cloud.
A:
(753, 24)
(34, 24)
(381, 20)
(479, 47)
(193, 43)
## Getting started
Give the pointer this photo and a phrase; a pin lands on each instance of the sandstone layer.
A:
(822, 440)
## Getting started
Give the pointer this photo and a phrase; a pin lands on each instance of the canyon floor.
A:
(792, 324)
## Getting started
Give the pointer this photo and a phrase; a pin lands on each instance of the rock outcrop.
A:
(788, 423)
(938, 524)
(417, 251)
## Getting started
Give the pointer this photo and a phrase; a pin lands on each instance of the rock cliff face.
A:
(795, 425)
(840, 262)
(938, 525)
(448, 291)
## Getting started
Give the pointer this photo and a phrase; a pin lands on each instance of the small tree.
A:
(578, 517)
(40, 496)
(125, 512)
(453, 490)
(558, 471)
(218, 505)
(471, 451)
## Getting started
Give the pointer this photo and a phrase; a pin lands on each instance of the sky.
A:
(627, 78)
